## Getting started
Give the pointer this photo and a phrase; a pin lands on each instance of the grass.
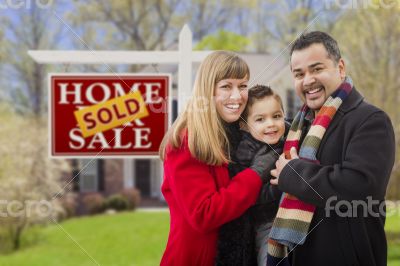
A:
(130, 238)
(392, 228)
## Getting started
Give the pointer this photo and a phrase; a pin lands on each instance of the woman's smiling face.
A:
(231, 98)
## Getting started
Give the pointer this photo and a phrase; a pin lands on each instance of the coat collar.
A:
(353, 100)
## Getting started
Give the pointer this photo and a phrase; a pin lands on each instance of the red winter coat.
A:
(201, 198)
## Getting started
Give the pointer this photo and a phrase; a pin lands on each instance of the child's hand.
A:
(281, 163)
(263, 162)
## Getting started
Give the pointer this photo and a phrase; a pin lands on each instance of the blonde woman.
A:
(196, 151)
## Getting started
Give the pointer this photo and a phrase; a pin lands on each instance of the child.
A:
(262, 124)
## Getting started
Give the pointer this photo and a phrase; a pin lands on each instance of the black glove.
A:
(263, 162)
(269, 193)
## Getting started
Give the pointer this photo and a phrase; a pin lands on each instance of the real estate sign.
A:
(108, 115)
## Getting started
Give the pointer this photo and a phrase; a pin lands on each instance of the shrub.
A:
(69, 203)
(117, 202)
(132, 195)
(94, 203)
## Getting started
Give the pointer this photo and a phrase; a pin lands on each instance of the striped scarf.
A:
(293, 219)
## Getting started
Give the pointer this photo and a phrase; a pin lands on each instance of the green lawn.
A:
(131, 238)
(392, 228)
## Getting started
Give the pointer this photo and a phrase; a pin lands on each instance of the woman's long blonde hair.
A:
(207, 138)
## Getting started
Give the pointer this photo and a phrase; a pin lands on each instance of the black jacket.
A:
(236, 240)
(356, 158)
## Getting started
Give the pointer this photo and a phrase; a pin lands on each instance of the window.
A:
(89, 175)
(293, 104)
(174, 109)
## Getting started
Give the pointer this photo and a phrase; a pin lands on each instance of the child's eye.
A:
(260, 119)
(278, 116)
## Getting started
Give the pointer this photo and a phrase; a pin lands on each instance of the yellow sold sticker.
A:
(110, 114)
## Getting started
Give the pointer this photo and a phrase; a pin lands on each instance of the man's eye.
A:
(298, 75)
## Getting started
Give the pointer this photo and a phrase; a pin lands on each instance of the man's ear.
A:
(342, 68)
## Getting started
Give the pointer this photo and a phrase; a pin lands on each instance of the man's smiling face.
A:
(316, 75)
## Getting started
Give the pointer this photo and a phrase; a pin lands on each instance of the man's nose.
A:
(308, 80)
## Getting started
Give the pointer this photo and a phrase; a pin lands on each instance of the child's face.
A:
(265, 120)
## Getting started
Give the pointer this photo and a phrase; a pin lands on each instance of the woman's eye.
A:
(225, 87)
(243, 87)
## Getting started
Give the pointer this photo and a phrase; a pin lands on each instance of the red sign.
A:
(140, 137)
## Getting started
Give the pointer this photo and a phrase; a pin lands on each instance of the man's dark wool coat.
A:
(356, 157)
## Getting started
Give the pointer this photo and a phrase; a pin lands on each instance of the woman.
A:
(200, 194)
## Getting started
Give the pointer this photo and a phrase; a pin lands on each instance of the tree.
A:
(151, 25)
(278, 23)
(368, 39)
(26, 30)
(126, 24)
(224, 40)
(29, 179)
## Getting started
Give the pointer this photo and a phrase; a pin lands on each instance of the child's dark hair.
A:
(259, 92)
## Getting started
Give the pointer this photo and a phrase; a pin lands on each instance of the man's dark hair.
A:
(259, 92)
(307, 39)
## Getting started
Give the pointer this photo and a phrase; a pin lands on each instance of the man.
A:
(346, 178)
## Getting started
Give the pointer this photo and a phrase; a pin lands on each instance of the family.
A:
(245, 187)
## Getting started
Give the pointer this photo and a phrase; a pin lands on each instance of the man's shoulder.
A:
(366, 108)
(365, 111)
(357, 104)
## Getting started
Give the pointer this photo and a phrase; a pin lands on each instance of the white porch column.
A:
(185, 67)
(129, 180)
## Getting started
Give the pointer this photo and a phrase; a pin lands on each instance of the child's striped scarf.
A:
(293, 219)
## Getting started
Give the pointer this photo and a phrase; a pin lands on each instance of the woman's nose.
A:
(235, 93)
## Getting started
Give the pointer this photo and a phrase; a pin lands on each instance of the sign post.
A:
(73, 145)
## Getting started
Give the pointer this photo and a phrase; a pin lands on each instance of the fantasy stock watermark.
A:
(25, 4)
(27, 208)
(349, 4)
(361, 4)
(364, 208)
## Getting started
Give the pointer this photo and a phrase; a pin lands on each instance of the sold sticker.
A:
(111, 114)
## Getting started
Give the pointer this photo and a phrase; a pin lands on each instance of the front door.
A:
(142, 175)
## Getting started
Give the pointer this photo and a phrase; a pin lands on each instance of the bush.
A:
(132, 195)
(69, 204)
(5, 240)
(94, 203)
(117, 202)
